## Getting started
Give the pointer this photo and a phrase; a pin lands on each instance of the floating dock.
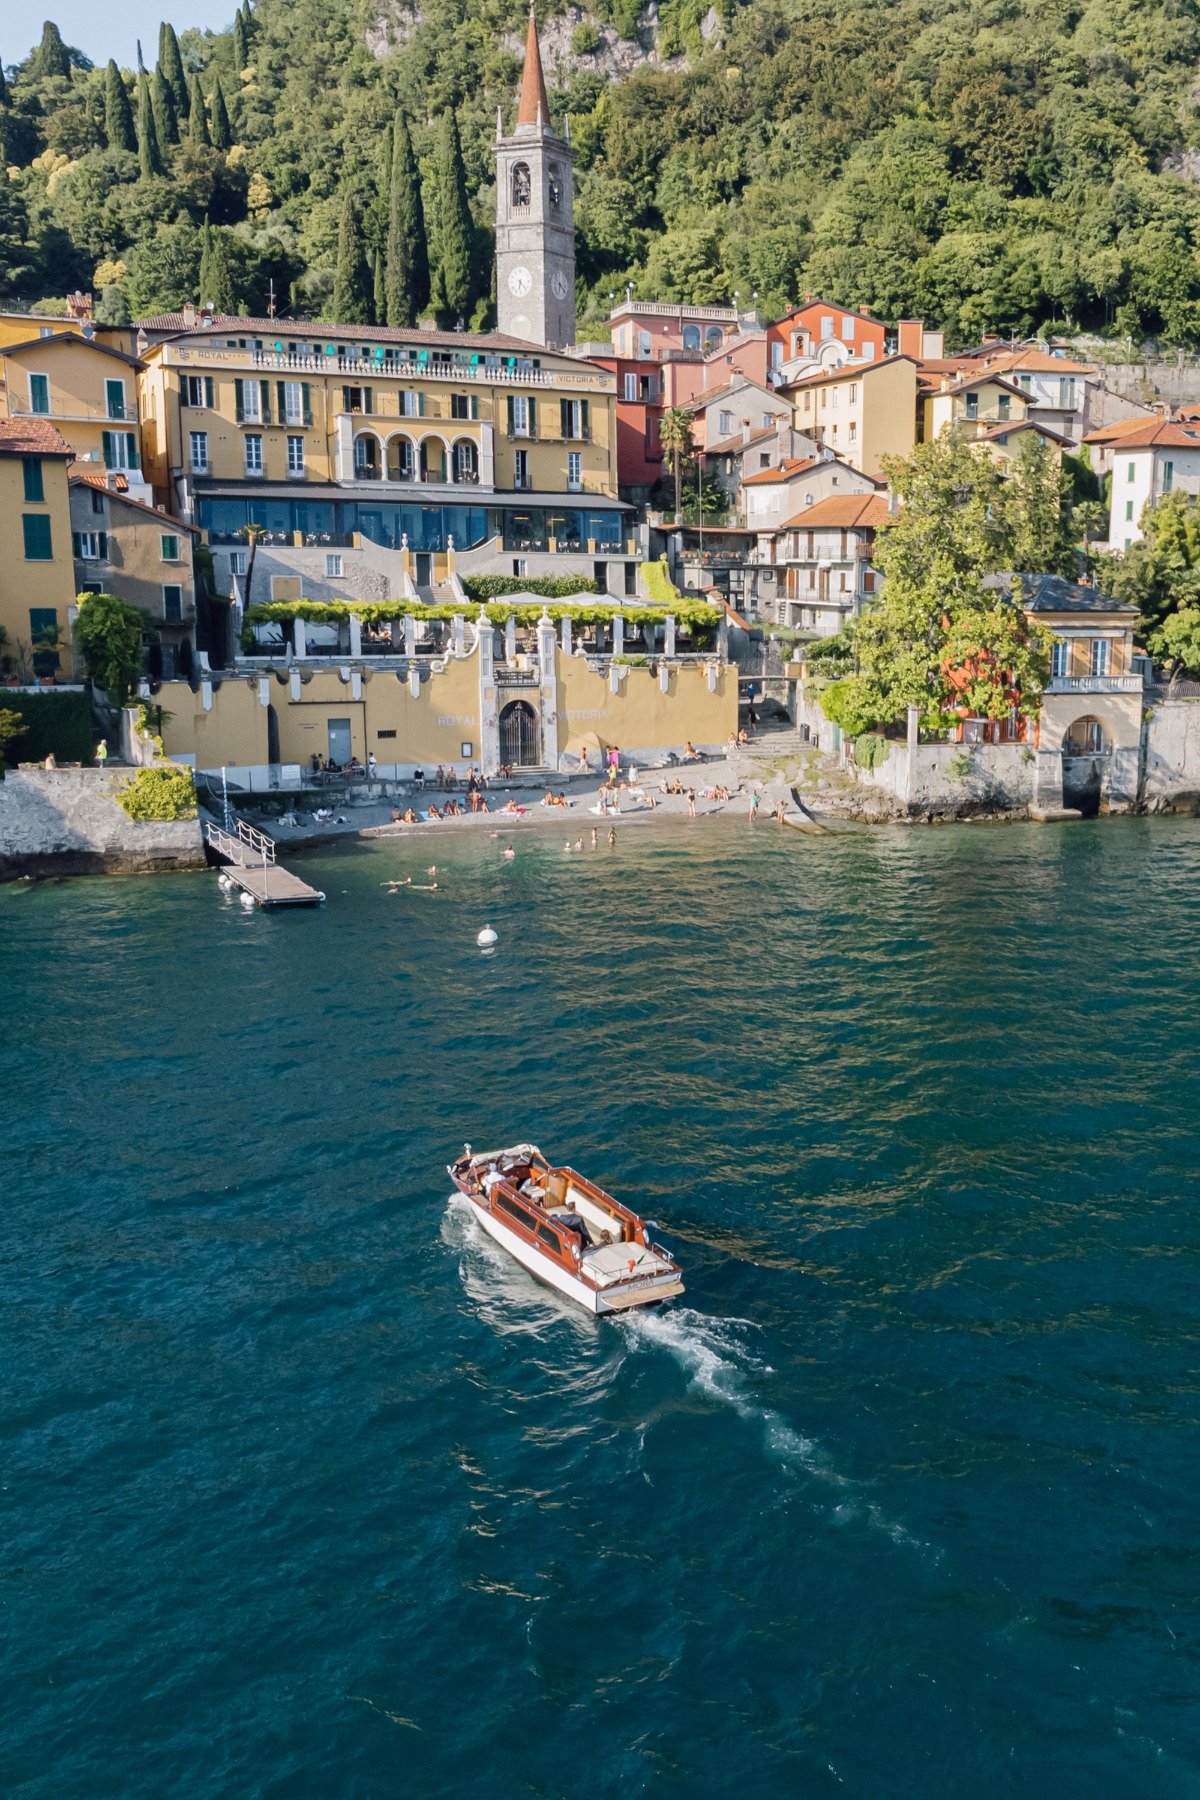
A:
(247, 857)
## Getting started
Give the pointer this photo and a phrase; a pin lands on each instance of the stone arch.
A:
(434, 457)
(401, 459)
(368, 462)
(520, 735)
(1091, 734)
(464, 461)
(691, 337)
(521, 186)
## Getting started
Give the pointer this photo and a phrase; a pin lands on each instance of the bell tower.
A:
(535, 217)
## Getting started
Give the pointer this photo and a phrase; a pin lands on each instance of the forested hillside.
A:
(981, 163)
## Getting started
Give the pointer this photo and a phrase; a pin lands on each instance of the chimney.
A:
(189, 316)
(745, 431)
(909, 333)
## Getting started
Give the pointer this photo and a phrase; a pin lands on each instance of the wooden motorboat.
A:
(566, 1230)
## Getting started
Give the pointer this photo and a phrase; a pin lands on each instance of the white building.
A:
(1148, 459)
(823, 562)
(770, 496)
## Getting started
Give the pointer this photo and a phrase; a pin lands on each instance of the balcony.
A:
(75, 409)
(1095, 684)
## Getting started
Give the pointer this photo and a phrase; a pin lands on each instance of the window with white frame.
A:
(91, 546)
(1059, 658)
(410, 405)
(295, 456)
(631, 387)
(519, 414)
(853, 432)
(293, 403)
(114, 399)
(254, 453)
(725, 423)
(333, 566)
(1100, 656)
(848, 331)
(237, 562)
(521, 469)
(575, 470)
(251, 401)
(198, 442)
(169, 547)
(1131, 475)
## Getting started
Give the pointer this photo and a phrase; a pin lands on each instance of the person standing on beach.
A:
(781, 814)
(101, 753)
(753, 807)
(691, 803)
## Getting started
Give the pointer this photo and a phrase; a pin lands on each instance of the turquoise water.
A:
(307, 1491)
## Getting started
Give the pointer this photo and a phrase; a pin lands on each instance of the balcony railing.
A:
(72, 409)
(1095, 684)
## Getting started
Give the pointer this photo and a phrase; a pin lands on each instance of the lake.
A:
(307, 1490)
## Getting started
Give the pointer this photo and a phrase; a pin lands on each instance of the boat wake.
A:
(717, 1359)
(504, 1294)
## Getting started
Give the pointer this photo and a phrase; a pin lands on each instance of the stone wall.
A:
(67, 822)
(1171, 756)
(955, 780)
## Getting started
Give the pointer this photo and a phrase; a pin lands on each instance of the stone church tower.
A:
(535, 218)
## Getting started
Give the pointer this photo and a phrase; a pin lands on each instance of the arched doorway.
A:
(1086, 751)
(520, 739)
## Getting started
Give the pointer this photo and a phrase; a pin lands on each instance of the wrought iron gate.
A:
(519, 735)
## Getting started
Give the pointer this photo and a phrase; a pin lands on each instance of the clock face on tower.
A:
(519, 281)
(558, 282)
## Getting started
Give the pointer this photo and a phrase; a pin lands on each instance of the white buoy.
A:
(486, 938)
(224, 882)
(247, 899)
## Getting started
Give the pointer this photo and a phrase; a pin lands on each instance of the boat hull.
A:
(593, 1300)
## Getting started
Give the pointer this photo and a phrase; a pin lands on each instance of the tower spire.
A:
(534, 108)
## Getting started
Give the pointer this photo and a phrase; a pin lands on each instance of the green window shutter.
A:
(345, 399)
(110, 455)
(239, 399)
(511, 415)
(38, 547)
(281, 398)
(208, 392)
(368, 400)
(474, 406)
(264, 388)
(35, 487)
(421, 404)
(564, 417)
(76, 543)
(583, 417)
(532, 416)
(133, 456)
(39, 393)
(103, 538)
(306, 388)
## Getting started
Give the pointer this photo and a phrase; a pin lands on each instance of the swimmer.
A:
(612, 834)
(579, 843)
(595, 837)
(508, 853)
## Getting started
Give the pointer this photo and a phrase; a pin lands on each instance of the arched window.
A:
(521, 187)
(433, 460)
(713, 337)
(691, 337)
(401, 462)
(466, 461)
(366, 458)
(554, 187)
(1086, 737)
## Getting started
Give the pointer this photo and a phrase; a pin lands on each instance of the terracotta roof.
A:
(1155, 434)
(849, 371)
(787, 470)
(998, 432)
(699, 402)
(730, 445)
(834, 306)
(864, 512)
(533, 84)
(965, 382)
(70, 337)
(1038, 362)
(101, 485)
(1119, 428)
(32, 437)
(279, 330)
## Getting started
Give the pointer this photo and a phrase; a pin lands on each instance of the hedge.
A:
(481, 588)
(55, 724)
(698, 617)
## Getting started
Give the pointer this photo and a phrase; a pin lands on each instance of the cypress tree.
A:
(171, 64)
(5, 96)
(141, 69)
(198, 132)
(407, 251)
(380, 290)
(216, 276)
(118, 114)
(149, 150)
(51, 57)
(222, 135)
(352, 295)
(241, 45)
(454, 220)
(163, 102)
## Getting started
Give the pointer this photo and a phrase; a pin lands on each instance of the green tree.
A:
(216, 275)
(16, 259)
(1037, 517)
(12, 726)
(51, 57)
(353, 294)
(455, 229)
(171, 64)
(198, 132)
(222, 133)
(163, 102)
(108, 634)
(112, 308)
(241, 44)
(118, 114)
(675, 436)
(407, 276)
(149, 151)
(380, 289)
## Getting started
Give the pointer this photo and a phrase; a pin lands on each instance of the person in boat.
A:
(570, 1220)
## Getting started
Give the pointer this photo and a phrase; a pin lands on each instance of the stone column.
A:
(410, 635)
(510, 638)
(669, 635)
(460, 634)
(618, 631)
(913, 734)
(355, 635)
(566, 634)
(547, 649)
(489, 711)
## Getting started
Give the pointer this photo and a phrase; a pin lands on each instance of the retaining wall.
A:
(67, 822)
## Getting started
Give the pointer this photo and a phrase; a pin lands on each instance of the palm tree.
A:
(675, 436)
(251, 533)
(1091, 516)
